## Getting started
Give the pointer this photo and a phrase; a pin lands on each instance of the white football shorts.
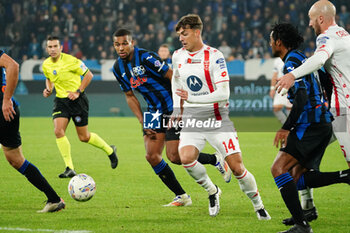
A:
(341, 129)
(226, 143)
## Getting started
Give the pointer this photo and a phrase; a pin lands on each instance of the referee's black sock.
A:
(205, 158)
(290, 197)
(38, 180)
(168, 177)
(315, 179)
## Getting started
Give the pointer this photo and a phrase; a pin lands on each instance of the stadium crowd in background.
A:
(239, 29)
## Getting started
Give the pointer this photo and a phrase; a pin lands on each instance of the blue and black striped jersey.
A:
(315, 109)
(3, 82)
(145, 73)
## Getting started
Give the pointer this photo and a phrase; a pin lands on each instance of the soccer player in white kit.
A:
(201, 79)
(279, 101)
(332, 52)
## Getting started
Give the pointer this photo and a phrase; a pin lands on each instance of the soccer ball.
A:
(82, 187)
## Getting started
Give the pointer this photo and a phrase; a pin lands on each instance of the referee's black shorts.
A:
(9, 131)
(310, 148)
(77, 109)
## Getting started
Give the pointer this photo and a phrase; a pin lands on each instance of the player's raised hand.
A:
(7, 110)
(182, 93)
(281, 138)
(284, 83)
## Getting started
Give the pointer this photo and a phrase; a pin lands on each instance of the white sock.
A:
(248, 186)
(199, 173)
(307, 198)
(280, 116)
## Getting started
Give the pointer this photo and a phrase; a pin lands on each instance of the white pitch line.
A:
(43, 230)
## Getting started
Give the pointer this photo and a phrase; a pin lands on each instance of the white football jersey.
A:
(336, 43)
(199, 73)
(278, 66)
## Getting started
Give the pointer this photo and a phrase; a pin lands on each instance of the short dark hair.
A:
(50, 37)
(288, 34)
(122, 32)
(191, 21)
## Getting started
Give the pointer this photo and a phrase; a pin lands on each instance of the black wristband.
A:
(79, 91)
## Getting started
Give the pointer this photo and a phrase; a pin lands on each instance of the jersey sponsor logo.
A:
(223, 74)
(322, 40)
(151, 120)
(139, 70)
(179, 66)
(54, 72)
(149, 57)
(193, 61)
(123, 75)
(138, 81)
(221, 63)
(194, 83)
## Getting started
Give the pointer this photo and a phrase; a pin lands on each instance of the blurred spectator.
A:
(243, 26)
(34, 48)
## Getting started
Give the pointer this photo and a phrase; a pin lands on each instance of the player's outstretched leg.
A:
(308, 206)
(111, 151)
(199, 173)
(32, 173)
(168, 177)
(248, 185)
(65, 150)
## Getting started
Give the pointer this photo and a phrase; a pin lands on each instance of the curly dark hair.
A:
(288, 34)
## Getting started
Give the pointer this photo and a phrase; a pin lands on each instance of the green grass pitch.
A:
(130, 198)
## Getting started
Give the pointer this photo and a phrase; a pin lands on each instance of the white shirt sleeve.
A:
(325, 48)
(221, 93)
(175, 84)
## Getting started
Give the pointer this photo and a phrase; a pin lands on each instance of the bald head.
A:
(323, 8)
(322, 15)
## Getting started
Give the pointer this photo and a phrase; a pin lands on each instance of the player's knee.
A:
(84, 138)
(174, 157)
(59, 133)
(153, 159)
(276, 170)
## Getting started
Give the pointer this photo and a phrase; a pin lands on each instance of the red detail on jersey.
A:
(344, 85)
(342, 33)
(210, 84)
(192, 54)
(179, 66)
(3, 89)
(322, 46)
(347, 96)
(215, 50)
(340, 75)
(222, 81)
(208, 48)
(223, 74)
(337, 108)
(189, 61)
